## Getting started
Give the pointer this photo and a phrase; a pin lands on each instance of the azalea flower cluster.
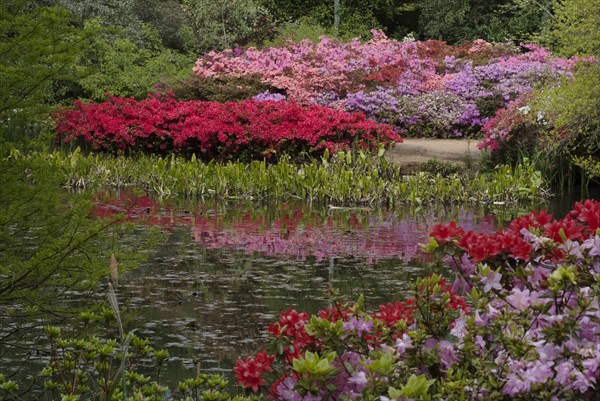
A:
(211, 130)
(424, 88)
(307, 348)
(510, 124)
(521, 321)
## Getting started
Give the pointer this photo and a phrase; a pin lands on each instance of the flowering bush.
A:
(520, 321)
(445, 91)
(248, 129)
(556, 124)
(512, 128)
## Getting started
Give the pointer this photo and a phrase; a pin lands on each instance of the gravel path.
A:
(412, 152)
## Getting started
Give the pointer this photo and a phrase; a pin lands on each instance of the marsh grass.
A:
(343, 179)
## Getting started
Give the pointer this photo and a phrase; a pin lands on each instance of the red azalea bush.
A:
(321, 353)
(520, 322)
(223, 131)
(513, 130)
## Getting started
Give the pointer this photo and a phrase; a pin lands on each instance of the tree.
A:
(39, 47)
(456, 21)
(221, 24)
(576, 27)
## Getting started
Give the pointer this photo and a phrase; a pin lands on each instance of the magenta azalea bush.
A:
(210, 130)
(521, 321)
(423, 88)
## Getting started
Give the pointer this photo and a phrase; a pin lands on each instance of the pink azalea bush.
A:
(211, 130)
(521, 321)
(423, 88)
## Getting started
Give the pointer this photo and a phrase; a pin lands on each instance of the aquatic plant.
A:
(521, 320)
(344, 179)
(103, 362)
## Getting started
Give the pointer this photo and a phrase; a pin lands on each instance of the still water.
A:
(223, 272)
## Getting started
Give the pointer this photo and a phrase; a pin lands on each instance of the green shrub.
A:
(40, 48)
(225, 89)
(226, 24)
(296, 31)
(575, 29)
(122, 68)
(572, 111)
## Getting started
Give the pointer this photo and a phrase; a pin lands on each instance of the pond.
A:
(222, 272)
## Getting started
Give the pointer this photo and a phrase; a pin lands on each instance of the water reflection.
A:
(225, 271)
(297, 230)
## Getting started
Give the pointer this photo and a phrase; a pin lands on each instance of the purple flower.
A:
(285, 389)
(359, 380)
(268, 96)
(515, 385)
(548, 352)
(592, 245)
(539, 372)
(481, 319)
(358, 325)
(563, 371)
(466, 265)
(460, 327)
(404, 343)
(492, 280)
(522, 299)
(581, 382)
(447, 354)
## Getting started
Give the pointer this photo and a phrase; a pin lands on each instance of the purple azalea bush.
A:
(425, 89)
(521, 321)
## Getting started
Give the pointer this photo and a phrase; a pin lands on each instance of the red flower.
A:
(248, 371)
(334, 314)
(444, 233)
(587, 211)
(392, 313)
(567, 227)
(215, 130)
(531, 220)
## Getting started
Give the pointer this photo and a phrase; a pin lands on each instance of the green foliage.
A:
(221, 24)
(573, 114)
(46, 239)
(49, 246)
(576, 27)
(226, 89)
(169, 20)
(296, 31)
(40, 48)
(123, 68)
(97, 365)
(111, 13)
(456, 21)
(397, 18)
(129, 17)
(443, 168)
(354, 22)
(342, 179)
